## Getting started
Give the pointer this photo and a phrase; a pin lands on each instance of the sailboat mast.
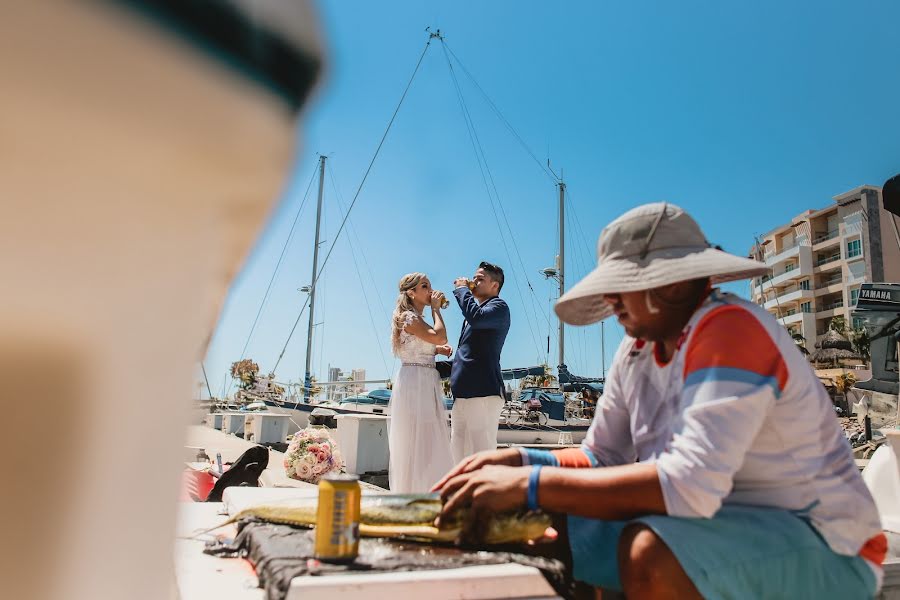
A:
(562, 266)
(307, 379)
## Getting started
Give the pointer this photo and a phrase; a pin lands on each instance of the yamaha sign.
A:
(879, 296)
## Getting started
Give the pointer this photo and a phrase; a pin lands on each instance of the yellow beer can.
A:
(337, 518)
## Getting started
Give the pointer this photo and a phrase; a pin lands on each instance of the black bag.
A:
(246, 471)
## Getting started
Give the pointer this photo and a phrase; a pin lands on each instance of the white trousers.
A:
(474, 424)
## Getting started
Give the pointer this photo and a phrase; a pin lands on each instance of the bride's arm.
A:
(439, 327)
(436, 334)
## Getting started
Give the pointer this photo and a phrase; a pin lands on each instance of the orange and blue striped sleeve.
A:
(565, 457)
(734, 372)
(731, 351)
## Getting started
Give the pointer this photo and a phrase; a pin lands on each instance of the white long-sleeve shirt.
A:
(736, 416)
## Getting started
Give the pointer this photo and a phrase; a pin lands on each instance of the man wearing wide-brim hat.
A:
(714, 466)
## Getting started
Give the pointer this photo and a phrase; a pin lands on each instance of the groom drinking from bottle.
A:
(475, 376)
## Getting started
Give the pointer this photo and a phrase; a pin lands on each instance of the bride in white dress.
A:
(418, 435)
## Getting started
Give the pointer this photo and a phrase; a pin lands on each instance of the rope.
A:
(353, 202)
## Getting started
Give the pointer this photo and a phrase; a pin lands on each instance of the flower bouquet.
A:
(311, 455)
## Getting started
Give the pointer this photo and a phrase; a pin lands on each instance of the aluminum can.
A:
(337, 518)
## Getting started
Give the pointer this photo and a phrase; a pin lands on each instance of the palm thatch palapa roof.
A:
(834, 348)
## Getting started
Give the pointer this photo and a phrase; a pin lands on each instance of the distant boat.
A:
(557, 420)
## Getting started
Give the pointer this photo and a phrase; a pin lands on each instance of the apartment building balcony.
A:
(830, 310)
(789, 298)
(828, 263)
(796, 317)
(786, 253)
(825, 240)
(785, 277)
(834, 288)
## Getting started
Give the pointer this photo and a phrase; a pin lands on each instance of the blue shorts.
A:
(742, 552)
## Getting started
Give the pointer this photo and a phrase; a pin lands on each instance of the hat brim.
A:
(584, 303)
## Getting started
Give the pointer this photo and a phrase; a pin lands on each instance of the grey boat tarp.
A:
(279, 553)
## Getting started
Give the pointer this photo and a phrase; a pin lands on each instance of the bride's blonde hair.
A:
(404, 303)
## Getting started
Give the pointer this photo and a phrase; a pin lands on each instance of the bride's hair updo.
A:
(404, 303)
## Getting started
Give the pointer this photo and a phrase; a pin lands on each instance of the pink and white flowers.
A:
(311, 455)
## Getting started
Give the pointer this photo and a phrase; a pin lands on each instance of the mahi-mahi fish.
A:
(405, 516)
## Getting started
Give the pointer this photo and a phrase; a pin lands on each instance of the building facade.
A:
(336, 393)
(358, 375)
(819, 260)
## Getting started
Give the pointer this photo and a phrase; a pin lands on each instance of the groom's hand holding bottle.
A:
(463, 282)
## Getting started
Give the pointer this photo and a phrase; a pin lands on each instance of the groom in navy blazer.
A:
(475, 377)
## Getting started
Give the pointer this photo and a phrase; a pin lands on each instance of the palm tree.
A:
(859, 337)
(844, 382)
(838, 324)
(314, 389)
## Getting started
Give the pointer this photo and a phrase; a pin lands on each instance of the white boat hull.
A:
(554, 433)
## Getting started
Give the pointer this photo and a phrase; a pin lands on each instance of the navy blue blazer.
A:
(476, 366)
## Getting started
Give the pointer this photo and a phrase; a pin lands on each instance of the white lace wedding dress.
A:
(418, 435)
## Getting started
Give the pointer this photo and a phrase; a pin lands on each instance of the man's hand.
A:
(446, 350)
(461, 282)
(509, 457)
(488, 490)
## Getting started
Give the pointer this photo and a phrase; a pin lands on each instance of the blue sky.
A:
(743, 113)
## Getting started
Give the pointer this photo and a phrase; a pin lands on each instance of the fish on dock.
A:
(405, 516)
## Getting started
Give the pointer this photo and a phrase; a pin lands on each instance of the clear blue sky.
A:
(743, 113)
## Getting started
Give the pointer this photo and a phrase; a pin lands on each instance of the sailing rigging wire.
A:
(556, 180)
(582, 269)
(353, 202)
(535, 302)
(619, 332)
(543, 167)
(486, 175)
(287, 243)
(340, 197)
(583, 263)
(206, 379)
(571, 204)
(362, 285)
(322, 291)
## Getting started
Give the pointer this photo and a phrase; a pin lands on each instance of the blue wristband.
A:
(533, 487)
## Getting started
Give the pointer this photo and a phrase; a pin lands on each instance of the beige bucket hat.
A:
(648, 247)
